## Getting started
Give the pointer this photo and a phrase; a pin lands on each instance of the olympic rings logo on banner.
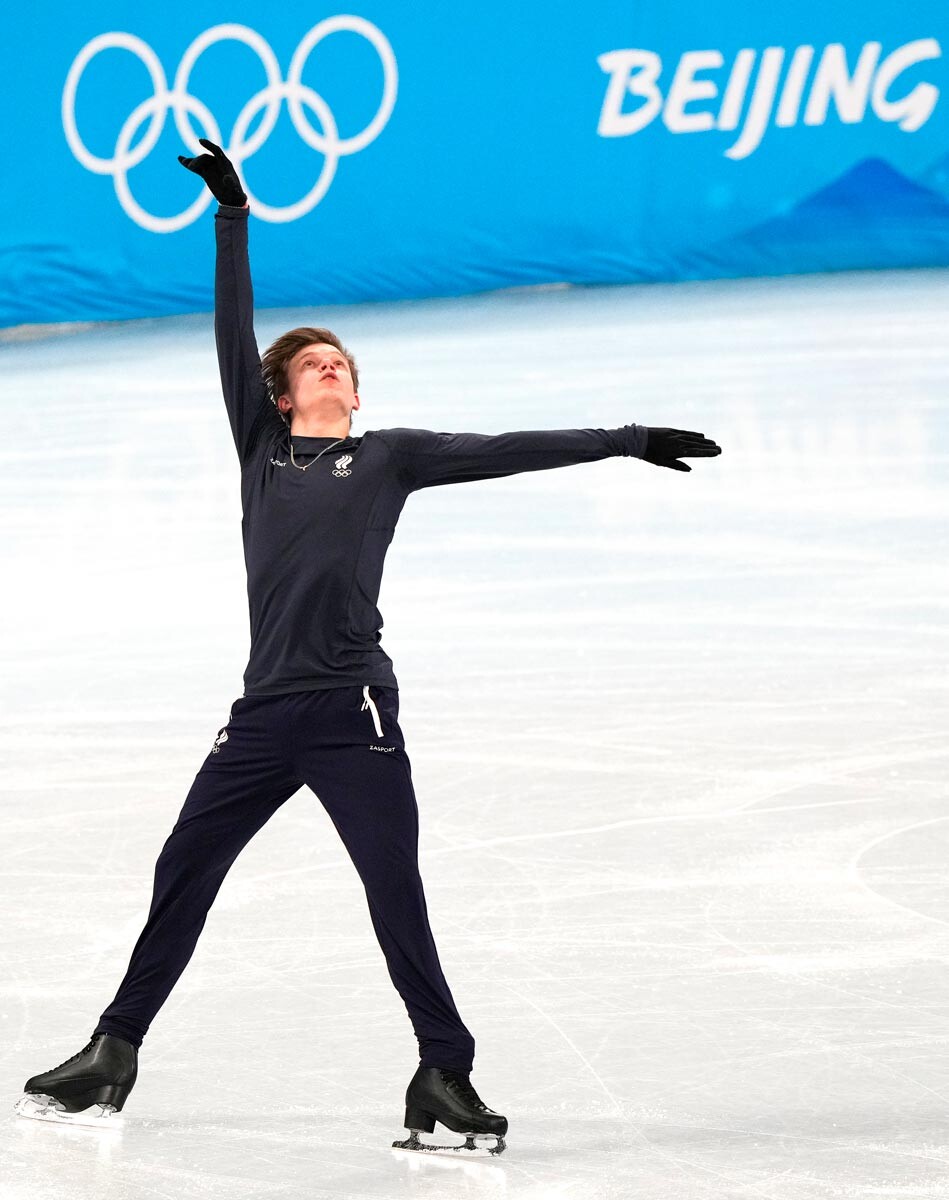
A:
(240, 148)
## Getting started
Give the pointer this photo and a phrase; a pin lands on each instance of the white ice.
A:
(679, 743)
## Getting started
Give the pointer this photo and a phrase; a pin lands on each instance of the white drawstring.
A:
(368, 702)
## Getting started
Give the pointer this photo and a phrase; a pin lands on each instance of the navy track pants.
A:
(346, 745)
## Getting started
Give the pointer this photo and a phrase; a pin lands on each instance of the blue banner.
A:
(398, 150)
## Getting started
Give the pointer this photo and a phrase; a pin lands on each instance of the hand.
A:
(218, 172)
(664, 446)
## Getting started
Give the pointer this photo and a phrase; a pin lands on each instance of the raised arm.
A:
(248, 405)
(245, 394)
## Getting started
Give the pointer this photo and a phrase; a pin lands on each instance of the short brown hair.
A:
(276, 359)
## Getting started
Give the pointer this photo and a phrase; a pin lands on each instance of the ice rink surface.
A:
(679, 743)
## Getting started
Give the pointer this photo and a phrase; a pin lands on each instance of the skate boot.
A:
(87, 1089)
(435, 1094)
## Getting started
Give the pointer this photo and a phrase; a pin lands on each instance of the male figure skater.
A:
(321, 703)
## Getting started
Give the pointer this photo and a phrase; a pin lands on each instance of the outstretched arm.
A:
(245, 395)
(427, 459)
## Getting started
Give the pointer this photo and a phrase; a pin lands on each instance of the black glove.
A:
(217, 171)
(664, 446)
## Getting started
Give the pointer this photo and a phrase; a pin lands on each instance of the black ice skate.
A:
(87, 1089)
(447, 1096)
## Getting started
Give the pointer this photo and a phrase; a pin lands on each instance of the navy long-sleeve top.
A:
(315, 541)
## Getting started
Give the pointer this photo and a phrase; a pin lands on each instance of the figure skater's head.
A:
(310, 373)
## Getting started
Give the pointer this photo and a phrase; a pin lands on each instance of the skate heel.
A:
(415, 1118)
(114, 1093)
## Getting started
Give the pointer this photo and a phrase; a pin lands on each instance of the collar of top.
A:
(300, 442)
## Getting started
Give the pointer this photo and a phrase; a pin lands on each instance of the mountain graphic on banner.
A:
(871, 216)
(936, 176)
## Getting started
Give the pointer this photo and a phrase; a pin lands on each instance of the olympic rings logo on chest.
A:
(239, 147)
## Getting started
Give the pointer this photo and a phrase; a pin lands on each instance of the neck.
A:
(337, 429)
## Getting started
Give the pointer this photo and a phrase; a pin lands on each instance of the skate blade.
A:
(470, 1148)
(45, 1108)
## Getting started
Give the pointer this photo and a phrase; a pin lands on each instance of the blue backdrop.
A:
(405, 151)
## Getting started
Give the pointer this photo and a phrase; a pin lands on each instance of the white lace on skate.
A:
(469, 1148)
(46, 1108)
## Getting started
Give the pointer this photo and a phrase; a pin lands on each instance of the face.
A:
(319, 380)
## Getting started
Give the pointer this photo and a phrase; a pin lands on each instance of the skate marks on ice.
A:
(856, 873)
(804, 778)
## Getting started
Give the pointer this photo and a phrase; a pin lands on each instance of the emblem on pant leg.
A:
(219, 741)
(383, 749)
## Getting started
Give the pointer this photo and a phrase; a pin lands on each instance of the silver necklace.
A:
(310, 464)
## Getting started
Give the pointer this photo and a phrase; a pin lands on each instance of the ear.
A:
(281, 405)
(356, 398)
